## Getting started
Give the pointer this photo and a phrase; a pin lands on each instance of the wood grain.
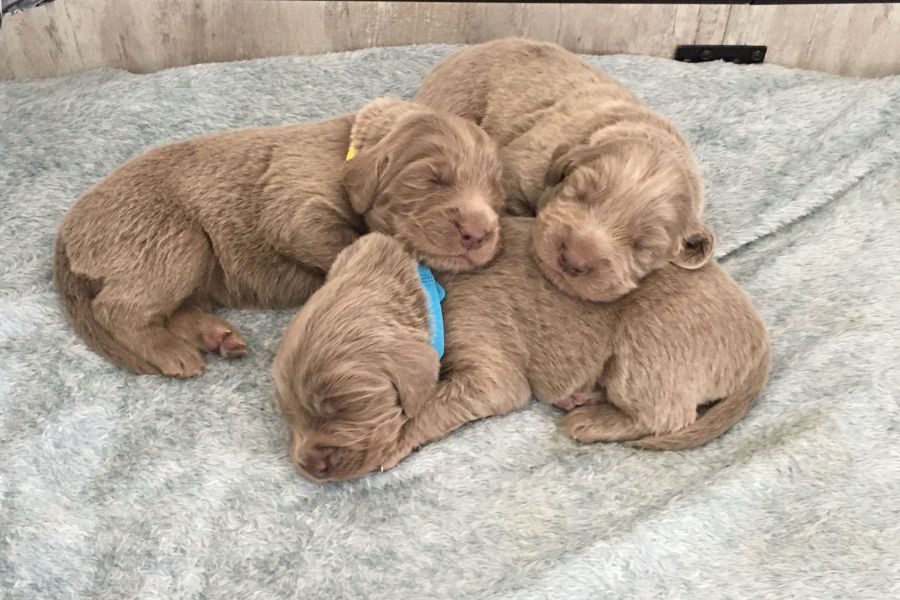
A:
(861, 40)
(68, 36)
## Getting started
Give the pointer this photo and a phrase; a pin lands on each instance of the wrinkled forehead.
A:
(425, 133)
(624, 201)
(338, 376)
(348, 418)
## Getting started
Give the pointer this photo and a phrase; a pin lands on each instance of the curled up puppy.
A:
(255, 218)
(358, 360)
(615, 187)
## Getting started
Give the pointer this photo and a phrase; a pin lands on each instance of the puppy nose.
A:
(573, 264)
(472, 236)
(316, 465)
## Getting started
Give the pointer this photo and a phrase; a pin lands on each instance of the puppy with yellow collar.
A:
(256, 217)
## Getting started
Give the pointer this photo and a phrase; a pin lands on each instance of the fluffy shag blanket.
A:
(120, 486)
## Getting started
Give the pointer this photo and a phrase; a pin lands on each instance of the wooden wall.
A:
(68, 36)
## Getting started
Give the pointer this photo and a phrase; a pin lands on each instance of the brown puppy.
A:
(614, 185)
(255, 217)
(682, 340)
(356, 362)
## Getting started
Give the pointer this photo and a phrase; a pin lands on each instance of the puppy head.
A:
(355, 363)
(616, 211)
(430, 179)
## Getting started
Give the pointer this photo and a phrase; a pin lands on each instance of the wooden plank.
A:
(850, 39)
(701, 23)
(619, 28)
(397, 23)
(489, 21)
(146, 35)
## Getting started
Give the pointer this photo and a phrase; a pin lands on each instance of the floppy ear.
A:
(377, 118)
(560, 165)
(414, 371)
(362, 173)
(565, 158)
(361, 178)
(697, 246)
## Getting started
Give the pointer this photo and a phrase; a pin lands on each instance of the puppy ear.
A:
(414, 371)
(560, 165)
(361, 178)
(377, 118)
(697, 246)
(361, 174)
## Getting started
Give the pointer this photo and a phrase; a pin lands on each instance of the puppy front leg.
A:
(463, 397)
(311, 231)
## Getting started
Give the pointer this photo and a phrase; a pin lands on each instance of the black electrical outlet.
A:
(735, 54)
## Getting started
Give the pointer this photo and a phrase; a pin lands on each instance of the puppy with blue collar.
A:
(359, 359)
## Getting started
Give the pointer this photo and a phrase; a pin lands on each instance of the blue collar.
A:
(434, 295)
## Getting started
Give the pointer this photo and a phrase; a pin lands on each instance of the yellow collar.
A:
(351, 151)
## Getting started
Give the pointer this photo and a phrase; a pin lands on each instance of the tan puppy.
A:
(614, 185)
(255, 217)
(356, 362)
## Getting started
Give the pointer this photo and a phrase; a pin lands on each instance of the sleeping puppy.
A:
(356, 361)
(256, 217)
(615, 187)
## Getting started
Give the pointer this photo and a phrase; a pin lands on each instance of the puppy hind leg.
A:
(134, 305)
(141, 332)
(639, 402)
(602, 423)
(136, 321)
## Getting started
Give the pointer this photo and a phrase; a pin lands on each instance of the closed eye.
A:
(329, 407)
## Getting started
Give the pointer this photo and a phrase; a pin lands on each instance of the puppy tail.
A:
(718, 419)
(76, 293)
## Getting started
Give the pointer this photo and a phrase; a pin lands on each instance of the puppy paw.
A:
(180, 360)
(224, 340)
(579, 424)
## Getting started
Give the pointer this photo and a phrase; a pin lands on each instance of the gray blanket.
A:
(118, 486)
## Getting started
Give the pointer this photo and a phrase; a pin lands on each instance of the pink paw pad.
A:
(225, 342)
(573, 401)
